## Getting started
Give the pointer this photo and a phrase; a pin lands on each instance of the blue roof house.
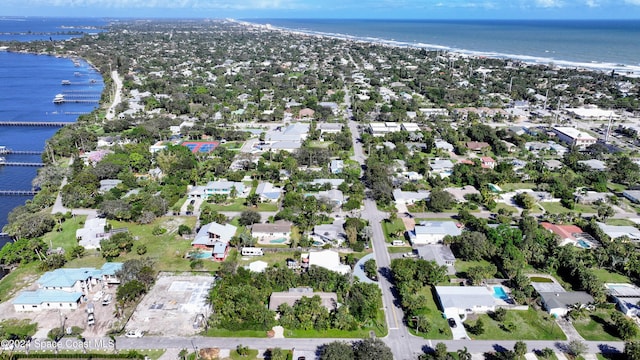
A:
(47, 299)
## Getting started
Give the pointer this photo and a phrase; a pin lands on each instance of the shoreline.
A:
(5, 238)
(627, 70)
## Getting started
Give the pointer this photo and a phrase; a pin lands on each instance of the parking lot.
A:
(172, 305)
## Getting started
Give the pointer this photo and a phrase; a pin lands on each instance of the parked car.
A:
(452, 322)
(91, 319)
(106, 300)
(134, 334)
(409, 255)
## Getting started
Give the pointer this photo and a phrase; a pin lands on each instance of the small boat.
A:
(66, 82)
(93, 81)
(77, 73)
(58, 99)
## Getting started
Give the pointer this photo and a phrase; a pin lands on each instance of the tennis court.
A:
(201, 146)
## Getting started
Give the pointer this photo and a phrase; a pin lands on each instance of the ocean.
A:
(28, 84)
(596, 44)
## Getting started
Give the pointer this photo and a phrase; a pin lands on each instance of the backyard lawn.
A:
(238, 205)
(607, 276)
(557, 208)
(525, 325)
(517, 186)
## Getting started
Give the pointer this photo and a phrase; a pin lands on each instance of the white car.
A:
(134, 334)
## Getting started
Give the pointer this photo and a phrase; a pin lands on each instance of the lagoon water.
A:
(28, 84)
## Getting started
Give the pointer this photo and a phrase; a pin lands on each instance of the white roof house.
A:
(268, 192)
(616, 231)
(410, 127)
(433, 232)
(295, 132)
(466, 299)
(92, 233)
(627, 296)
(409, 197)
(441, 144)
(329, 260)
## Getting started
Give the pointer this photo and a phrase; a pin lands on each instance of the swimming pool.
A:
(499, 293)
(201, 255)
(278, 241)
(584, 244)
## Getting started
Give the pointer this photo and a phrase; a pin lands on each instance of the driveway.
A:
(358, 270)
(459, 332)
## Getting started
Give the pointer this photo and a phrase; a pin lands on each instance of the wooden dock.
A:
(17, 193)
(36, 123)
(19, 152)
(17, 163)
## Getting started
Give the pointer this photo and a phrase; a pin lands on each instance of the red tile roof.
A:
(564, 231)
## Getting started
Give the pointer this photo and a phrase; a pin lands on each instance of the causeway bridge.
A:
(36, 123)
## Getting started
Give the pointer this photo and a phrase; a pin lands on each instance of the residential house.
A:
(477, 146)
(219, 187)
(297, 132)
(92, 233)
(333, 182)
(108, 184)
(559, 303)
(459, 194)
(571, 234)
(410, 127)
(215, 237)
(487, 162)
(329, 128)
(632, 195)
(334, 196)
(409, 197)
(433, 232)
(336, 166)
(626, 296)
(616, 231)
(442, 167)
(382, 129)
(590, 197)
(329, 233)
(461, 300)
(594, 164)
(267, 192)
(64, 288)
(272, 231)
(443, 145)
(306, 113)
(327, 259)
(331, 105)
(441, 254)
(327, 299)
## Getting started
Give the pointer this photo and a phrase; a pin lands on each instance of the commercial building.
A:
(574, 137)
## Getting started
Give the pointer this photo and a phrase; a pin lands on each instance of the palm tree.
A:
(463, 354)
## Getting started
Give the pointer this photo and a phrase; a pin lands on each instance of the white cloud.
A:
(167, 4)
(592, 3)
(548, 3)
(633, 2)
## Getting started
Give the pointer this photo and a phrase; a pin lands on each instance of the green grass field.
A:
(214, 332)
(557, 208)
(439, 328)
(391, 228)
(598, 326)
(610, 277)
(252, 354)
(399, 249)
(620, 222)
(528, 325)
(517, 186)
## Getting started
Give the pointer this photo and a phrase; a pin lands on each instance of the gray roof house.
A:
(268, 192)
(559, 303)
(615, 231)
(216, 237)
(336, 166)
(441, 254)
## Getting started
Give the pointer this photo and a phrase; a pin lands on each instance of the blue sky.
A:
(351, 9)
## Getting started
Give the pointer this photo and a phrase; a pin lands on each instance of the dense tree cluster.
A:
(239, 301)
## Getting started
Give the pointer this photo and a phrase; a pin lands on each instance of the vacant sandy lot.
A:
(172, 305)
